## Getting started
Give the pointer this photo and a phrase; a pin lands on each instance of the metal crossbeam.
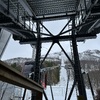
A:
(11, 76)
(58, 38)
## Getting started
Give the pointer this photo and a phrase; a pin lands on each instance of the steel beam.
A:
(10, 75)
(13, 18)
(51, 18)
(80, 25)
(64, 27)
(58, 38)
(46, 29)
(38, 55)
(72, 63)
(47, 54)
(37, 61)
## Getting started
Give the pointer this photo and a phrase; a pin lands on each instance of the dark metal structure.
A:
(19, 16)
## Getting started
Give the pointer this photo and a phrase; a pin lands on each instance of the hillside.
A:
(17, 60)
(89, 59)
(86, 55)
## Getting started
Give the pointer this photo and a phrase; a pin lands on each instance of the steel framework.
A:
(83, 15)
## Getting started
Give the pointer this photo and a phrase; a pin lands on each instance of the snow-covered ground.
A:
(59, 93)
(59, 90)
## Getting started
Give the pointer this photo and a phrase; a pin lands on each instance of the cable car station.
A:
(83, 20)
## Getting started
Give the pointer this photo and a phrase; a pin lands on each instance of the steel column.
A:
(58, 38)
(77, 68)
(35, 95)
(38, 55)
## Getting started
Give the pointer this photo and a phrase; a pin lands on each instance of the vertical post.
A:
(38, 55)
(36, 78)
(77, 68)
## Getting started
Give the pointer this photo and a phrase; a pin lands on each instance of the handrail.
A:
(10, 75)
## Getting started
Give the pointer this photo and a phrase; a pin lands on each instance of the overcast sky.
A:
(14, 49)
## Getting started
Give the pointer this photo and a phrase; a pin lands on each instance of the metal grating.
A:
(49, 7)
(16, 7)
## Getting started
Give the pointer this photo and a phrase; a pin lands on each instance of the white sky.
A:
(14, 49)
